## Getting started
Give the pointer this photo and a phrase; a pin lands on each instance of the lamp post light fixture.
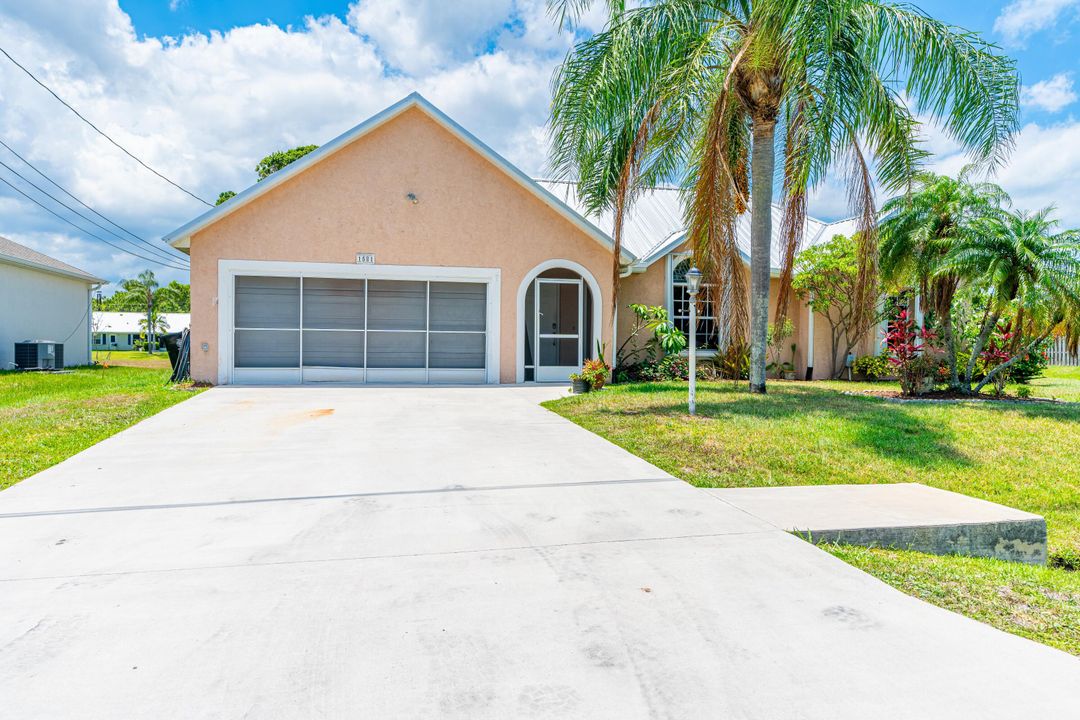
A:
(693, 287)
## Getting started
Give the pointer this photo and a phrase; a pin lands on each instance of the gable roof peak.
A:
(181, 237)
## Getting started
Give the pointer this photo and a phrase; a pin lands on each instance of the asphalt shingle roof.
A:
(12, 251)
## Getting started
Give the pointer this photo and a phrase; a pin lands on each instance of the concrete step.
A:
(906, 516)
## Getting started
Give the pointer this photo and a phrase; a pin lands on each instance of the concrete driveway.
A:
(449, 552)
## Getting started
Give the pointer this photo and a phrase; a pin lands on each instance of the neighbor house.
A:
(42, 298)
(121, 330)
(406, 250)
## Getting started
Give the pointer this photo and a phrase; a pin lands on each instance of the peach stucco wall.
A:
(650, 288)
(469, 214)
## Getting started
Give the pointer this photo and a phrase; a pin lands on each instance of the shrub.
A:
(910, 357)
(1023, 391)
(874, 367)
(669, 367)
(1031, 365)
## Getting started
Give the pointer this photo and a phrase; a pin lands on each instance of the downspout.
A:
(90, 321)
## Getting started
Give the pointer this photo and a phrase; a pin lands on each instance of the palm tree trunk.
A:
(950, 349)
(762, 166)
(989, 323)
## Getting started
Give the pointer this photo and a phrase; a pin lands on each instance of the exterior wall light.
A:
(412, 198)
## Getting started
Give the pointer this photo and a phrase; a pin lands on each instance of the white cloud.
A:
(203, 108)
(1022, 18)
(1050, 95)
(422, 35)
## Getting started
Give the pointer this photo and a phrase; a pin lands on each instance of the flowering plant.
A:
(907, 345)
(594, 372)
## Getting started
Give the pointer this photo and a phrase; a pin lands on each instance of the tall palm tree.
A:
(920, 228)
(1027, 267)
(145, 286)
(699, 90)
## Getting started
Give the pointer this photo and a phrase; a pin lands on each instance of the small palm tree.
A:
(918, 231)
(699, 90)
(145, 286)
(1027, 267)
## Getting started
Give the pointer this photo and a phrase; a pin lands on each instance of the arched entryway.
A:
(559, 316)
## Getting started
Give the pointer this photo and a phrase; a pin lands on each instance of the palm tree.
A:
(1027, 268)
(699, 89)
(144, 287)
(918, 231)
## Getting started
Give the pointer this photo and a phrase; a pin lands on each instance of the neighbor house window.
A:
(680, 306)
(112, 339)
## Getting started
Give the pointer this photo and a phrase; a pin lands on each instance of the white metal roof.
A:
(654, 224)
(128, 322)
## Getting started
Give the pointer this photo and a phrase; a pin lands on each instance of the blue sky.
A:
(201, 90)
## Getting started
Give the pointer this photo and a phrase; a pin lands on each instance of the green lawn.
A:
(132, 358)
(47, 417)
(1022, 455)
(1062, 383)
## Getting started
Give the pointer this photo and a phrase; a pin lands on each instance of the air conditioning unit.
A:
(39, 355)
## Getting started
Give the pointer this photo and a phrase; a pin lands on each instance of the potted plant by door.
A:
(578, 384)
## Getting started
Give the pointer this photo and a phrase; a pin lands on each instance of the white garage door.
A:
(319, 329)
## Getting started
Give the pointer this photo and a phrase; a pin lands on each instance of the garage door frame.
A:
(229, 269)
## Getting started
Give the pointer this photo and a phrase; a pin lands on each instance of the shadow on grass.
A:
(890, 430)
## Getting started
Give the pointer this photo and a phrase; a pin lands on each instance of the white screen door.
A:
(558, 328)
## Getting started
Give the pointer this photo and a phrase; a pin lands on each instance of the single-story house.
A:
(42, 298)
(406, 250)
(120, 330)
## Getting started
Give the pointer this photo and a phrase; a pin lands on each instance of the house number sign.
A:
(365, 258)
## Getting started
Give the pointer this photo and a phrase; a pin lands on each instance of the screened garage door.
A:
(317, 329)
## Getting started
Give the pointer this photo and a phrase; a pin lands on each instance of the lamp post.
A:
(693, 287)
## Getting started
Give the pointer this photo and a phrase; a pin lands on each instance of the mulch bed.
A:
(949, 396)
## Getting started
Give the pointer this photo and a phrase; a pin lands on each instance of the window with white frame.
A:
(707, 328)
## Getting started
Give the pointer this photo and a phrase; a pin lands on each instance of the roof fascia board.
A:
(30, 264)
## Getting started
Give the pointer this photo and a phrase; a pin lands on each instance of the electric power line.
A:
(62, 189)
(157, 253)
(100, 131)
(121, 249)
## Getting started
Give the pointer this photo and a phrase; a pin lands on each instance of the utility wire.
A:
(70, 195)
(121, 249)
(100, 131)
(157, 253)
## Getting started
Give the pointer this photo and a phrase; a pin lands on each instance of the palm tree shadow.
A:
(892, 431)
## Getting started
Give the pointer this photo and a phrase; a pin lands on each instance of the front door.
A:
(558, 328)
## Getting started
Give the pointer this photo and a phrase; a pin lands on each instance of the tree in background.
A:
(270, 165)
(918, 232)
(1030, 276)
(825, 278)
(699, 90)
(174, 297)
(277, 160)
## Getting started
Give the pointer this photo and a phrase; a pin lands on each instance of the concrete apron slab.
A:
(327, 576)
(908, 516)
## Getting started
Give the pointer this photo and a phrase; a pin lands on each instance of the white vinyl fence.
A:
(1059, 355)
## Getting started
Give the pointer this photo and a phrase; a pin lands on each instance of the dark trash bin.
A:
(177, 345)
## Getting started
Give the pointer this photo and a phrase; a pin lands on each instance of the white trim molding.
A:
(229, 269)
(523, 288)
